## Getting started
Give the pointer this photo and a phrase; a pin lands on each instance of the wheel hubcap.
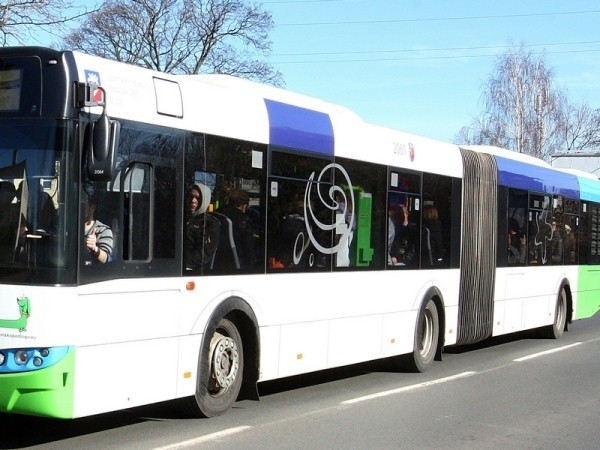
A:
(426, 334)
(561, 312)
(225, 362)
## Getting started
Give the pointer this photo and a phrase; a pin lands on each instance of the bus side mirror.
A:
(101, 145)
(101, 138)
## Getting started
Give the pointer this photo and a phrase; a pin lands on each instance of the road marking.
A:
(412, 387)
(547, 352)
(231, 431)
(206, 438)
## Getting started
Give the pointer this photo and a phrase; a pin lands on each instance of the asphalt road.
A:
(517, 392)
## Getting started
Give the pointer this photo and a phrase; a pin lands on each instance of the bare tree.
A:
(521, 107)
(21, 20)
(580, 128)
(182, 36)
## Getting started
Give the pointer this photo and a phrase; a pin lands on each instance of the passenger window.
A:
(136, 195)
(307, 221)
(540, 229)
(557, 237)
(237, 170)
(144, 219)
(591, 245)
(516, 230)
(139, 204)
(165, 195)
(365, 206)
(437, 221)
(571, 232)
(404, 219)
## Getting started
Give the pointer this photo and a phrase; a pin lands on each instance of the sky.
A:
(420, 65)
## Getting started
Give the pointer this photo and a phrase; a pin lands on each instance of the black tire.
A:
(221, 371)
(556, 330)
(427, 334)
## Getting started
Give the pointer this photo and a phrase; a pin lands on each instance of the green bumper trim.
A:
(46, 392)
(588, 300)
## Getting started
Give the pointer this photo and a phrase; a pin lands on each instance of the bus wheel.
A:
(556, 330)
(222, 369)
(426, 340)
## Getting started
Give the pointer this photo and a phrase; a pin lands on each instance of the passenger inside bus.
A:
(202, 230)
(570, 246)
(235, 208)
(403, 248)
(516, 243)
(432, 241)
(390, 240)
(98, 236)
(556, 243)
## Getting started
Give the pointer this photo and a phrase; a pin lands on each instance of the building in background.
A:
(586, 161)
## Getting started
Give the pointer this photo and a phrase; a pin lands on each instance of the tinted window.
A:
(303, 204)
(438, 223)
(404, 219)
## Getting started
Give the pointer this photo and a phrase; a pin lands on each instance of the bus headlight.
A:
(21, 357)
(14, 360)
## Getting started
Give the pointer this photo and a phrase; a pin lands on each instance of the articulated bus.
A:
(352, 242)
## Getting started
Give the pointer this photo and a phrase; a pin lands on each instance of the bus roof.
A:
(242, 109)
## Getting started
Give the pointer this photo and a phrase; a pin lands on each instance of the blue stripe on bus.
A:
(590, 189)
(300, 128)
(517, 174)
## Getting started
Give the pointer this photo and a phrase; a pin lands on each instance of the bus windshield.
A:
(34, 243)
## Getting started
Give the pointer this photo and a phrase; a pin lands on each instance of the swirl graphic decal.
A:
(335, 199)
(544, 233)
